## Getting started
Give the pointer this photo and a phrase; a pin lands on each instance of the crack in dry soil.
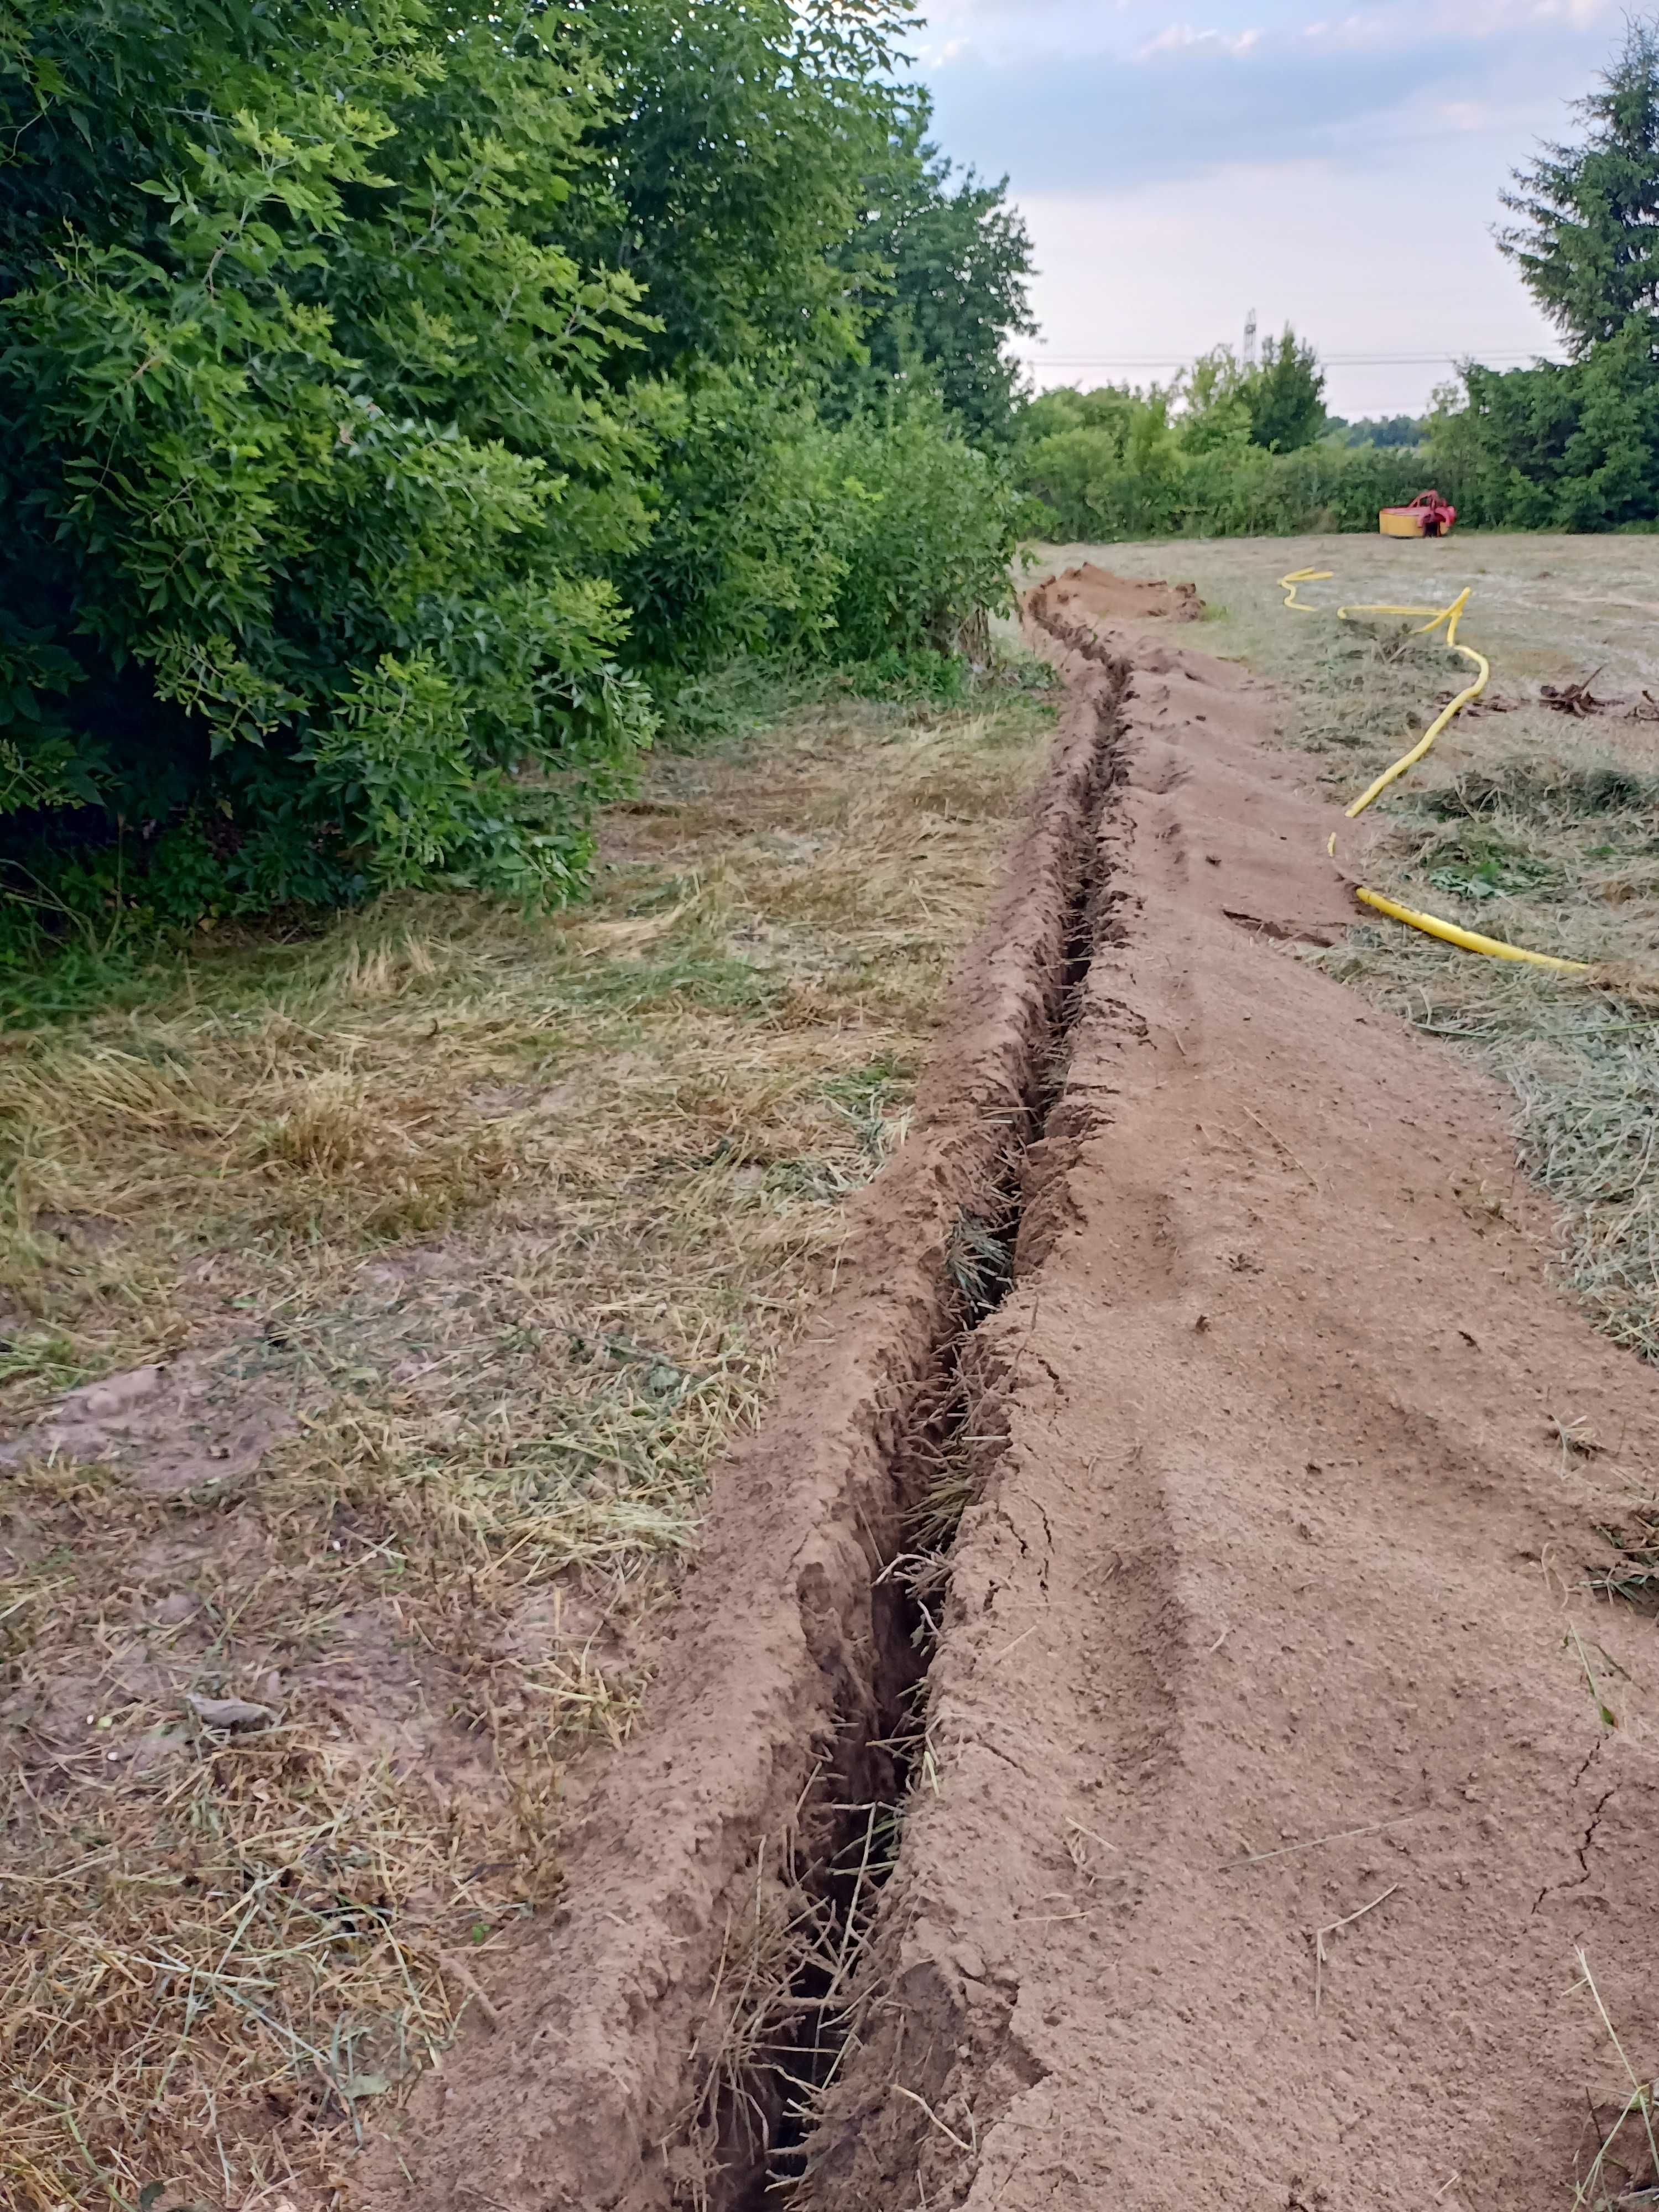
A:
(1157, 1571)
(1580, 1852)
(940, 1465)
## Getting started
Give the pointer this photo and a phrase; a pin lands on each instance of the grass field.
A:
(407, 1278)
(1526, 824)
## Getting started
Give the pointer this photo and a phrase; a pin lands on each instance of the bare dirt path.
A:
(1274, 1761)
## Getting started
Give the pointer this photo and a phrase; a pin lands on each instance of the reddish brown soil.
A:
(1091, 594)
(1270, 1609)
(591, 2093)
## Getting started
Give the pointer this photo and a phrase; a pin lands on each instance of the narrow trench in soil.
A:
(847, 1843)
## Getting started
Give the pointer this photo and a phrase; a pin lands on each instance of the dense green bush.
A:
(751, 531)
(1568, 448)
(781, 534)
(1104, 464)
(312, 482)
(1141, 478)
(373, 431)
(1323, 487)
(933, 527)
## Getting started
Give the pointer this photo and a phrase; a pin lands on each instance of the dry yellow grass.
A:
(462, 1243)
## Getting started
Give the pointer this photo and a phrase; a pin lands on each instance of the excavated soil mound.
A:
(1274, 1760)
(1096, 595)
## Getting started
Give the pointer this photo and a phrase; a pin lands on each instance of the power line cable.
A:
(1326, 360)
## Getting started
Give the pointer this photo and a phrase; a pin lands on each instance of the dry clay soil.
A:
(1265, 1800)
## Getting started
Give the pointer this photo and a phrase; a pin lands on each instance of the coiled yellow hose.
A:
(1449, 932)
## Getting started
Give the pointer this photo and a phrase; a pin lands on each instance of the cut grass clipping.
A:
(430, 1263)
(1537, 831)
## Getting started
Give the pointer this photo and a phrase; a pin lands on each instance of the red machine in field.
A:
(1427, 516)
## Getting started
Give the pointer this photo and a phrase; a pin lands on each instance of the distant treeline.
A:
(1378, 429)
(1227, 448)
(1113, 463)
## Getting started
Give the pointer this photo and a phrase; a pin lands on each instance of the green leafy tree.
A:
(934, 527)
(1587, 240)
(341, 438)
(1576, 445)
(1215, 403)
(1106, 463)
(1279, 406)
(312, 475)
(944, 266)
(727, 176)
(1557, 446)
(1284, 397)
(1131, 417)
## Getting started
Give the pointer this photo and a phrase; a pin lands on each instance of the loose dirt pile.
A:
(1142, 1733)
(1095, 595)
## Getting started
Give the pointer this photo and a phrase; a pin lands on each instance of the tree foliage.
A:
(1215, 403)
(1573, 446)
(1284, 397)
(732, 157)
(1196, 455)
(1380, 429)
(1155, 485)
(314, 470)
(943, 264)
(387, 386)
(1277, 403)
(1587, 240)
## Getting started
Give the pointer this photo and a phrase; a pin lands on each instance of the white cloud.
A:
(1334, 161)
(1182, 38)
(1490, 16)
(1354, 33)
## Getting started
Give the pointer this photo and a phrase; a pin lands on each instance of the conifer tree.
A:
(1586, 237)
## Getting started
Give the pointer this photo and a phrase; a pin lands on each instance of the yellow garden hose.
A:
(1470, 939)
(1449, 932)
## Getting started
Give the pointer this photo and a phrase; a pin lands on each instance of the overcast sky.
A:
(1339, 169)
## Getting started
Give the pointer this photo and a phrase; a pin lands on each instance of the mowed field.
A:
(379, 1305)
(1545, 606)
(372, 1306)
